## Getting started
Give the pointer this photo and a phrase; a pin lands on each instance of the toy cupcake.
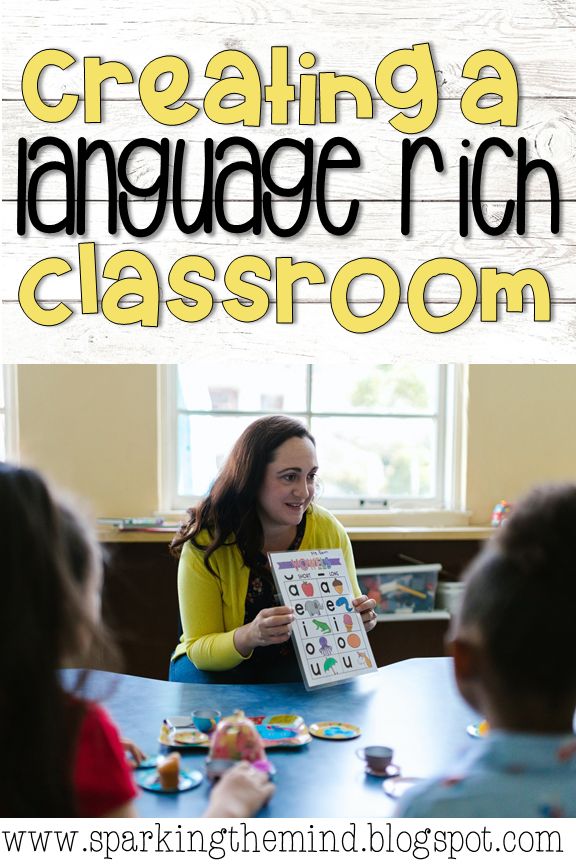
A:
(169, 772)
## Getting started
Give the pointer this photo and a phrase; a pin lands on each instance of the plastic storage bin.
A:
(449, 596)
(401, 589)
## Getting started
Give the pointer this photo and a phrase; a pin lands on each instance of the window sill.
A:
(368, 518)
(433, 615)
(411, 525)
(356, 533)
(402, 518)
(409, 532)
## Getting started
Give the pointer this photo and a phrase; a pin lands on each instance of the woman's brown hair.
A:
(229, 511)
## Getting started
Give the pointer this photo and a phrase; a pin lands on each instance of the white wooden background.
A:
(539, 36)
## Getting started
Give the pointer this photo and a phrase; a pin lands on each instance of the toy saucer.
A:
(181, 721)
(183, 738)
(334, 731)
(187, 780)
(395, 787)
(146, 764)
(282, 730)
(478, 730)
(285, 721)
(391, 771)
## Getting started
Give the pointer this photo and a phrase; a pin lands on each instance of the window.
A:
(7, 412)
(387, 435)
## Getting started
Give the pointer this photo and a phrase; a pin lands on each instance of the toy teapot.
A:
(234, 739)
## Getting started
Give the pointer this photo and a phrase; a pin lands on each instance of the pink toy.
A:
(236, 739)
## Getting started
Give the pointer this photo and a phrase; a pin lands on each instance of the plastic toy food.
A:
(169, 772)
(236, 738)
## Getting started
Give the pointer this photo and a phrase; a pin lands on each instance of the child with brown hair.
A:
(514, 650)
(49, 616)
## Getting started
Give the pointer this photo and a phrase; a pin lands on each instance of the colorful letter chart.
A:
(328, 634)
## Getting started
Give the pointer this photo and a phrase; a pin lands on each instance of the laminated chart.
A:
(328, 634)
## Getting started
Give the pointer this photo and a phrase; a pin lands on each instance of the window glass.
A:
(380, 430)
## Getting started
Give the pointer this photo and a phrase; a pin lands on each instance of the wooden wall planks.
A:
(539, 37)
(377, 235)
(549, 129)
(314, 337)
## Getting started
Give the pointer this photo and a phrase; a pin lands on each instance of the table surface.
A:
(412, 706)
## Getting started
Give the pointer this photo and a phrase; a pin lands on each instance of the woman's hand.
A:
(270, 627)
(365, 606)
(241, 792)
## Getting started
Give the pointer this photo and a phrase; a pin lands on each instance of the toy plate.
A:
(184, 738)
(287, 730)
(390, 771)
(187, 780)
(181, 721)
(282, 730)
(334, 731)
(289, 721)
(395, 787)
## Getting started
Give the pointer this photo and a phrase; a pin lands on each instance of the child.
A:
(515, 662)
(75, 762)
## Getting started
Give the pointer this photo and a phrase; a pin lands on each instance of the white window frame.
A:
(450, 454)
(167, 423)
(10, 411)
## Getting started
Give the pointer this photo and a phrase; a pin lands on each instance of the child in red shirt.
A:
(49, 616)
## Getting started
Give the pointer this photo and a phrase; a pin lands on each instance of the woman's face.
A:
(289, 484)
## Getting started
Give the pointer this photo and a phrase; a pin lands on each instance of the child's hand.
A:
(365, 606)
(241, 792)
(133, 750)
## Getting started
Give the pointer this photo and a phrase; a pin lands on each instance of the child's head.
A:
(513, 641)
(48, 615)
(51, 571)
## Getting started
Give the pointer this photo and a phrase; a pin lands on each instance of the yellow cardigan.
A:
(212, 608)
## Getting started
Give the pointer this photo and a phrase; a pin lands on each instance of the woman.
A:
(75, 764)
(261, 501)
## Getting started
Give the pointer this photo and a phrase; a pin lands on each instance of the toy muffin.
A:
(169, 772)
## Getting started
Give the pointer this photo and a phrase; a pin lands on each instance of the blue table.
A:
(411, 706)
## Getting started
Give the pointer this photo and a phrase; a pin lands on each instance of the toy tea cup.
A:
(206, 719)
(378, 761)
